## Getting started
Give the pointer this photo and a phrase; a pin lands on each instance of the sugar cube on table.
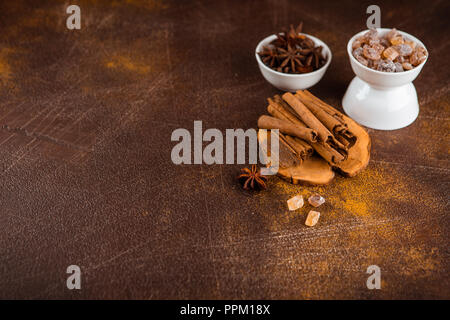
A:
(316, 200)
(312, 218)
(295, 203)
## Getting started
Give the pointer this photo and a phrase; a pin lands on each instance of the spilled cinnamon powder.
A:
(5, 68)
(126, 63)
(381, 217)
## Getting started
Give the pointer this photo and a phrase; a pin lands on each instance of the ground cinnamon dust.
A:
(127, 63)
(369, 219)
(5, 68)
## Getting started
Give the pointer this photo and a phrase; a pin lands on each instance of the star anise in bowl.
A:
(292, 52)
(252, 179)
(289, 37)
(290, 59)
(270, 56)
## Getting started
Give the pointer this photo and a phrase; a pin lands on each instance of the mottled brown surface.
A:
(86, 176)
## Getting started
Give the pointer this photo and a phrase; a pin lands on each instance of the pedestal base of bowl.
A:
(381, 108)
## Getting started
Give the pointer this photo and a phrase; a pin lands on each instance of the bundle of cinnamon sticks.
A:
(307, 124)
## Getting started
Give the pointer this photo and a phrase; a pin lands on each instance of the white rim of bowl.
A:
(317, 41)
(410, 37)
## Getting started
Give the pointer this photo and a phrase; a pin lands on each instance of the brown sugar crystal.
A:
(312, 219)
(388, 53)
(295, 203)
(316, 200)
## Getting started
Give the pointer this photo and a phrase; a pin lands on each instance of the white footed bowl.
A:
(292, 82)
(382, 100)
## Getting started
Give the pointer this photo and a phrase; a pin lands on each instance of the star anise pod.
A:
(292, 52)
(252, 178)
(290, 59)
(306, 43)
(305, 69)
(294, 35)
(281, 41)
(269, 56)
(289, 37)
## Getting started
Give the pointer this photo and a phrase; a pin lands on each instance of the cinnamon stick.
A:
(330, 117)
(278, 111)
(299, 153)
(287, 157)
(288, 111)
(284, 141)
(333, 124)
(302, 149)
(306, 116)
(305, 94)
(326, 151)
(311, 121)
(327, 119)
(275, 112)
(286, 127)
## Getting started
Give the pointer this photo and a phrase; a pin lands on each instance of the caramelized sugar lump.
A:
(295, 203)
(358, 53)
(403, 49)
(389, 53)
(386, 65)
(316, 200)
(312, 218)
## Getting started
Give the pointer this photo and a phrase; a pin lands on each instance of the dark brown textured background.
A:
(86, 176)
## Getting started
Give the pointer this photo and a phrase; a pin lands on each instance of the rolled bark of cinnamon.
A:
(306, 116)
(287, 156)
(286, 127)
(327, 152)
(278, 111)
(283, 141)
(305, 94)
(282, 106)
(328, 116)
(312, 122)
(298, 152)
(302, 149)
(338, 128)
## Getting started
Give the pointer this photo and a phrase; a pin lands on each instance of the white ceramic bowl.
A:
(293, 82)
(382, 100)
